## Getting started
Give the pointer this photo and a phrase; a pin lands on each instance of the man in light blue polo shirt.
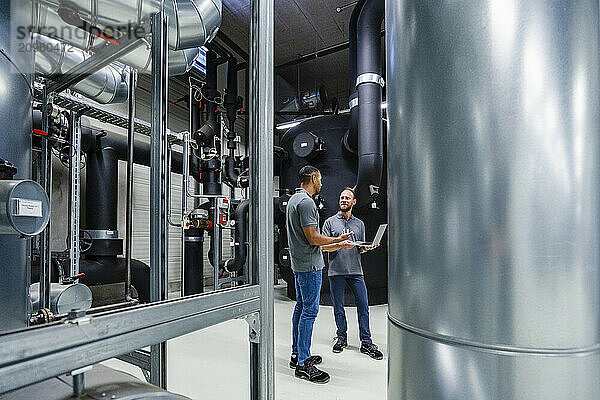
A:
(304, 239)
(345, 268)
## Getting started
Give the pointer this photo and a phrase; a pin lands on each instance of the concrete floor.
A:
(213, 363)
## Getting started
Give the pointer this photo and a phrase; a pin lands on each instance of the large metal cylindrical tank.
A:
(16, 70)
(493, 146)
(338, 169)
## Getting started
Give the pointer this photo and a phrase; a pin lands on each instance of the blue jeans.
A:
(308, 292)
(357, 284)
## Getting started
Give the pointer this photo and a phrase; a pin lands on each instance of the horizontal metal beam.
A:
(317, 54)
(97, 61)
(32, 355)
(232, 45)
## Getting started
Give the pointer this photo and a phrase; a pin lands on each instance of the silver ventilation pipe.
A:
(50, 24)
(494, 183)
(108, 85)
(192, 23)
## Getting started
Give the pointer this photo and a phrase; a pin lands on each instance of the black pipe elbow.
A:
(241, 237)
(230, 174)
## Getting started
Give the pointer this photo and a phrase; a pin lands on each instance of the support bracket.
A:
(253, 321)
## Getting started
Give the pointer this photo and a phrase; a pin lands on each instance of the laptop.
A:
(377, 239)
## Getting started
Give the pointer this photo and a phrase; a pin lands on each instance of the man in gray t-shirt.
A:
(304, 239)
(345, 269)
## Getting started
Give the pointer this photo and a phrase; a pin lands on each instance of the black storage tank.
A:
(318, 142)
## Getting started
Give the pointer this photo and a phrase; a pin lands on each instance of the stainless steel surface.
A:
(192, 22)
(369, 77)
(64, 298)
(420, 368)
(31, 197)
(129, 205)
(158, 169)
(54, 58)
(493, 156)
(262, 105)
(180, 61)
(75, 192)
(68, 346)
(15, 141)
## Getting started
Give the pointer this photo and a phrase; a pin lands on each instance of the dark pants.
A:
(358, 287)
(308, 293)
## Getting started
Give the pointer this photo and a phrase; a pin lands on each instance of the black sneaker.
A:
(339, 345)
(315, 360)
(311, 373)
(371, 350)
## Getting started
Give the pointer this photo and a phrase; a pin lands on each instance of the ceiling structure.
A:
(301, 27)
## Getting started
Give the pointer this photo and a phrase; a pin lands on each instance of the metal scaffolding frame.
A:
(34, 354)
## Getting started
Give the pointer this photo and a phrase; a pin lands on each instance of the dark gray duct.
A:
(494, 159)
(108, 85)
(351, 139)
(369, 84)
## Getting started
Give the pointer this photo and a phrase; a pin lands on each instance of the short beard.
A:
(347, 208)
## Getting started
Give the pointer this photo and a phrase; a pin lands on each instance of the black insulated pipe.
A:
(101, 189)
(211, 178)
(93, 140)
(194, 261)
(231, 101)
(351, 139)
(241, 238)
(369, 86)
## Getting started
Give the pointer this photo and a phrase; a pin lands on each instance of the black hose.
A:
(241, 238)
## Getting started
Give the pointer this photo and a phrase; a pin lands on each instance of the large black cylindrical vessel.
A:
(318, 142)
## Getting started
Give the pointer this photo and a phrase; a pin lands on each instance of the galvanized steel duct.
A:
(493, 120)
(50, 24)
(107, 85)
(191, 22)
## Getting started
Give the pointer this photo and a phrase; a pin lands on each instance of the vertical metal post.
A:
(75, 175)
(184, 183)
(46, 182)
(158, 218)
(78, 384)
(217, 242)
(261, 183)
(129, 207)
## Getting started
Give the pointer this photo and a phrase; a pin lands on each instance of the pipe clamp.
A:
(353, 103)
(103, 234)
(370, 78)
